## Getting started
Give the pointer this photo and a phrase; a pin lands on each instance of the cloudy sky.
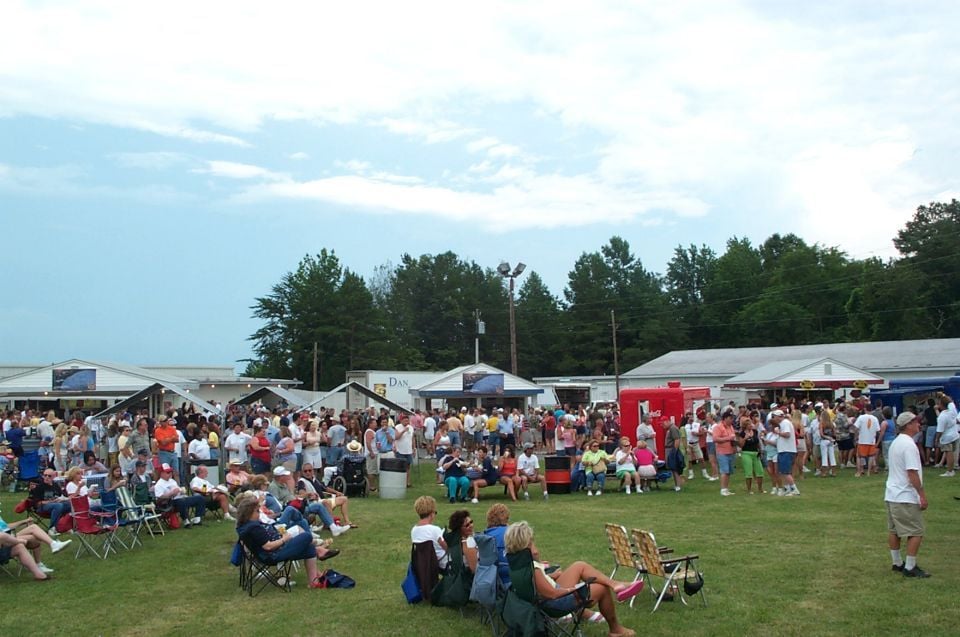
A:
(160, 167)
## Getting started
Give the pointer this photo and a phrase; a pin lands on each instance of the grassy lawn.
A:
(812, 565)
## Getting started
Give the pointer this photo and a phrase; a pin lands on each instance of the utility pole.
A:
(616, 359)
(481, 329)
(314, 366)
(504, 270)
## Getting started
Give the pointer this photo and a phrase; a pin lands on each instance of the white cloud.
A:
(153, 160)
(299, 156)
(688, 107)
(234, 170)
(353, 165)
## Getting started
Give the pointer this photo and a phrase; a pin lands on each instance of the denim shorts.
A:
(711, 449)
(785, 462)
(725, 462)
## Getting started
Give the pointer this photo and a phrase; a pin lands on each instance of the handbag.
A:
(410, 586)
(236, 557)
(335, 579)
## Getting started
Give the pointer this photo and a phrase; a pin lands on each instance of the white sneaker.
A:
(806, 469)
(781, 492)
(589, 493)
(474, 501)
(53, 532)
(706, 475)
(526, 495)
(628, 489)
(726, 492)
(195, 520)
(791, 493)
(316, 528)
(639, 491)
(338, 530)
(690, 475)
(677, 489)
(227, 516)
(44, 568)
(58, 546)
(948, 474)
(598, 493)
(546, 496)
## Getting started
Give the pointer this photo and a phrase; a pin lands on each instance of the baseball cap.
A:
(905, 419)
(776, 412)
(528, 445)
(280, 471)
(166, 467)
(140, 463)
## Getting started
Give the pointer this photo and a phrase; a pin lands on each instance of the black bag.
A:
(338, 580)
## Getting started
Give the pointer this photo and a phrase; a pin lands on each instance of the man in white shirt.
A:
(904, 496)
(403, 442)
(786, 450)
(236, 444)
(429, 431)
(947, 437)
(528, 469)
(868, 428)
(297, 435)
(215, 495)
(694, 452)
(469, 433)
(168, 492)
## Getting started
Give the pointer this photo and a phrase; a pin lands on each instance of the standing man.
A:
(404, 442)
(168, 439)
(868, 427)
(370, 452)
(455, 429)
(904, 496)
(724, 436)
(948, 439)
(786, 451)
(430, 430)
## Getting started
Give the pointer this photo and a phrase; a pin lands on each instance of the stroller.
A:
(351, 478)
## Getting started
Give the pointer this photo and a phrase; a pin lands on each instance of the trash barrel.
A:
(557, 474)
(393, 478)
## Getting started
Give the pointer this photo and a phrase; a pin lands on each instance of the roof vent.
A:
(828, 369)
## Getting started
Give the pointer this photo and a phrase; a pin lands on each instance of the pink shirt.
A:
(723, 437)
(644, 457)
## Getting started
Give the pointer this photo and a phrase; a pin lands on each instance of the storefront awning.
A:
(823, 373)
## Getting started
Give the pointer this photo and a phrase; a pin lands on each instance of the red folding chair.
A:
(95, 530)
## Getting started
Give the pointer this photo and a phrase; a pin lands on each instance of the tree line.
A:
(420, 313)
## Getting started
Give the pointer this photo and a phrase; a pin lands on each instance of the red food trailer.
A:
(661, 403)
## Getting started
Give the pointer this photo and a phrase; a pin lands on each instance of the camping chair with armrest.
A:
(681, 575)
(95, 531)
(487, 588)
(453, 589)
(256, 574)
(426, 567)
(125, 535)
(523, 587)
(138, 515)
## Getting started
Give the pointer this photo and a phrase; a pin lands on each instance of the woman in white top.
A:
(426, 531)
(626, 469)
(311, 446)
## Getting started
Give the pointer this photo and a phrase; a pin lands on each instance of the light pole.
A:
(504, 270)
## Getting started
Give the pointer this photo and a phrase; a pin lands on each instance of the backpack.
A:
(485, 580)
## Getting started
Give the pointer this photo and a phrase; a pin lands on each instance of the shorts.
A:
(675, 461)
(5, 554)
(695, 452)
(373, 465)
(624, 472)
(950, 447)
(866, 451)
(752, 466)
(770, 454)
(931, 436)
(785, 462)
(407, 458)
(845, 445)
(646, 471)
(905, 519)
(563, 604)
(801, 445)
(725, 462)
(712, 449)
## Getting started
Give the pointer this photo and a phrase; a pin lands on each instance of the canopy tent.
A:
(149, 392)
(294, 401)
(363, 389)
(821, 373)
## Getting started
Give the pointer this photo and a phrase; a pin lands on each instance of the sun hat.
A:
(354, 446)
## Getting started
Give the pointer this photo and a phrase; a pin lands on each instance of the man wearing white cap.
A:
(786, 450)
(904, 497)
(166, 490)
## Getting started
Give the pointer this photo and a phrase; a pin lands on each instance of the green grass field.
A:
(813, 565)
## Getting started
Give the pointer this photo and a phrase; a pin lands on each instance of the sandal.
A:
(629, 591)
(330, 554)
(354, 526)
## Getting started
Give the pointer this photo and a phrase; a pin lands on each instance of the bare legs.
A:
(601, 591)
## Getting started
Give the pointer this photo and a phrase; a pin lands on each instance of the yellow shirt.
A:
(492, 423)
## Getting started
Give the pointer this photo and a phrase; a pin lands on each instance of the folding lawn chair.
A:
(94, 530)
(522, 588)
(143, 516)
(486, 588)
(256, 575)
(681, 576)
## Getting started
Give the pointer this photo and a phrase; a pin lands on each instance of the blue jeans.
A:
(196, 502)
(322, 512)
(577, 479)
(259, 466)
(454, 438)
(292, 517)
(56, 511)
(493, 441)
(459, 487)
(334, 454)
(600, 478)
(299, 547)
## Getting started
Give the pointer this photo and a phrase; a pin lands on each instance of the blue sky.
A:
(160, 168)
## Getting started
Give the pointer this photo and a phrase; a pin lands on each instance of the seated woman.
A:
(498, 516)
(488, 475)
(646, 464)
(626, 470)
(461, 522)
(508, 471)
(455, 475)
(560, 583)
(272, 547)
(578, 475)
(426, 531)
(595, 466)
(22, 539)
(91, 464)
